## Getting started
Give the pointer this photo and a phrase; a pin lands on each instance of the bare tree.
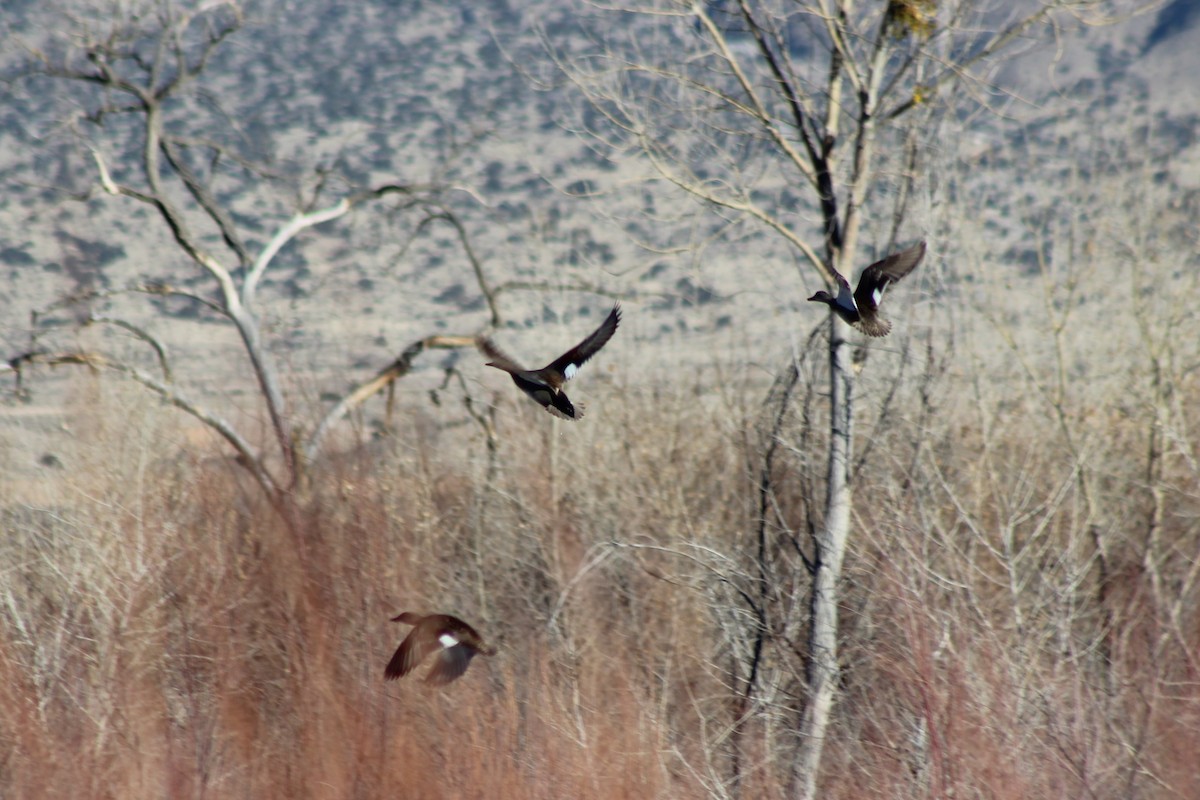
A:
(740, 104)
(144, 66)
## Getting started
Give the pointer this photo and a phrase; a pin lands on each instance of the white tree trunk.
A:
(822, 668)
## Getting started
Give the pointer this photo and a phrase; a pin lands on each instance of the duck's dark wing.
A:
(419, 643)
(498, 357)
(569, 362)
(451, 663)
(879, 275)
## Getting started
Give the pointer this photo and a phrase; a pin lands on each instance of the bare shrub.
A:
(160, 636)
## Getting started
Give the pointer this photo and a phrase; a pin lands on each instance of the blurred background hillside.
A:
(1022, 615)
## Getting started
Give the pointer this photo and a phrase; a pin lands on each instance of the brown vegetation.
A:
(1019, 616)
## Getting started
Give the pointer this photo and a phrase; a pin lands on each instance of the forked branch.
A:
(246, 454)
(385, 377)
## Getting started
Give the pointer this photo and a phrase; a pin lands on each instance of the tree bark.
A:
(822, 667)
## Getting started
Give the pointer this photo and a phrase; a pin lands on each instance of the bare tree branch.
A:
(159, 350)
(281, 238)
(385, 377)
(204, 198)
(485, 288)
(248, 458)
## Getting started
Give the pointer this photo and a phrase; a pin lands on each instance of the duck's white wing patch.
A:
(570, 371)
(877, 296)
(447, 640)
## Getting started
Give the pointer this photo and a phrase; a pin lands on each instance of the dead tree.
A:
(144, 68)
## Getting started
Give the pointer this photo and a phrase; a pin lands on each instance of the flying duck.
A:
(861, 309)
(455, 642)
(545, 385)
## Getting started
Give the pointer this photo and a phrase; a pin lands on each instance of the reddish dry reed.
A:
(1018, 621)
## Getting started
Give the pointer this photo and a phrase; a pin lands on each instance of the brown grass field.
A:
(1020, 613)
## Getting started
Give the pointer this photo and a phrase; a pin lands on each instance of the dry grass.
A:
(1020, 617)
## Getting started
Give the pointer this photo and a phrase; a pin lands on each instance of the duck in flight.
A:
(454, 641)
(861, 309)
(545, 385)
